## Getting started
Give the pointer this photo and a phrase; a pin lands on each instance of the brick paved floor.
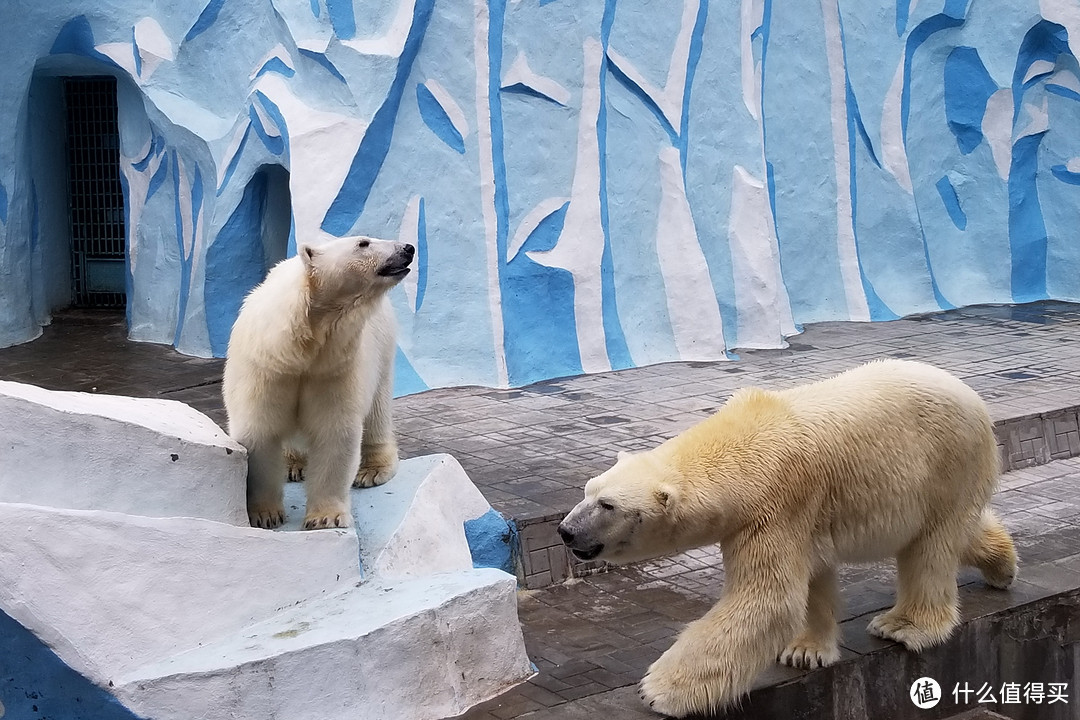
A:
(592, 638)
(531, 450)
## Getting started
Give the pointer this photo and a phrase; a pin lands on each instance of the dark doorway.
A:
(95, 196)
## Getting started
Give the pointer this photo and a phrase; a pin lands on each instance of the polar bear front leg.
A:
(266, 482)
(379, 455)
(715, 659)
(327, 478)
(818, 645)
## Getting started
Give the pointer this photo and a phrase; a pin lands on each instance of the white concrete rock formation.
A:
(137, 573)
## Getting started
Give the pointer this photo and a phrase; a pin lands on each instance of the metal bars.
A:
(96, 200)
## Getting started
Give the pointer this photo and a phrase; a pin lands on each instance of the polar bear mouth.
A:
(588, 553)
(393, 271)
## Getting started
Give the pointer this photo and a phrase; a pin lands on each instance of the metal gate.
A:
(96, 200)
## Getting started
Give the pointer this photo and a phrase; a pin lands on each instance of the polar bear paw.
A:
(678, 685)
(316, 520)
(376, 469)
(914, 634)
(295, 462)
(267, 517)
(809, 653)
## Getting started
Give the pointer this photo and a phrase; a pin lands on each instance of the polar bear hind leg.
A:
(926, 608)
(992, 552)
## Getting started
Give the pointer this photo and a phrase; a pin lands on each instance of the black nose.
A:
(566, 535)
(409, 250)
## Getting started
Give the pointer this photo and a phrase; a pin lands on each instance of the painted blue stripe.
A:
(968, 87)
(207, 18)
(369, 158)
(342, 17)
(315, 9)
(77, 38)
(158, 179)
(274, 143)
(1027, 230)
(3, 204)
(36, 683)
(646, 100)
(1062, 91)
(135, 53)
(129, 278)
(902, 9)
(185, 262)
(697, 41)
(275, 65)
(952, 202)
(156, 142)
(1065, 175)
(438, 121)
(271, 109)
(196, 201)
(1044, 41)
(324, 62)
(234, 161)
(421, 255)
(406, 380)
(918, 36)
(523, 89)
(617, 349)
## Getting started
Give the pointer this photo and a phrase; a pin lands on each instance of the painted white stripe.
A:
(580, 248)
(670, 97)
(997, 129)
(520, 73)
(1037, 118)
(408, 233)
(450, 106)
(487, 187)
(150, 36)
(691, 301)
(760, 294)
(845, 236)
(278, 52)
(1039, 67)
(893, 152)
(530, 222)
(751, 16)
(393, 42)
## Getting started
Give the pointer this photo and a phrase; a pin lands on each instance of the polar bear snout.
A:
(397, 264)
(579, 542)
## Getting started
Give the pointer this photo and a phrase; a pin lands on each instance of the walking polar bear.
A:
(309, 372)
(890, 459)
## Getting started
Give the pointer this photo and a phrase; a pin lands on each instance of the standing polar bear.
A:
(890, 459)
(309, 370)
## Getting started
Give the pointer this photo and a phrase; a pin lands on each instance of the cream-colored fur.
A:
(309, 372)
(890, 459)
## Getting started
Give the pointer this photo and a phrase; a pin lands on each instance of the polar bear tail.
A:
(992, 551)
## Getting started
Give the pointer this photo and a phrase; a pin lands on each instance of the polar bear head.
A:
(630, 512)
(344, 272)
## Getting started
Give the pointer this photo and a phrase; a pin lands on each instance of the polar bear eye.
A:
(363, 244)
(606, 505)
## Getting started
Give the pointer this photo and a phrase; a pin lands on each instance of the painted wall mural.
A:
(590, 185)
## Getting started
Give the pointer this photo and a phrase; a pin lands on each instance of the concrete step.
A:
(106, 452)
(110, 592)
(421, 648)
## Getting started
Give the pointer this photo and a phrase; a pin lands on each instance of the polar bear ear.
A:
(307, 253)
(665, 496)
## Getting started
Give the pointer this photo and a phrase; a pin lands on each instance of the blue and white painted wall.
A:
(590, 185)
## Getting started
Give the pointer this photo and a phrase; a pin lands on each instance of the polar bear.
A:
(890, 459)
(309, 370)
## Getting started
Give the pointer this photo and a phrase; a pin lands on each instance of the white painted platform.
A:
(182, 613)
(108, 452)
(421, 649)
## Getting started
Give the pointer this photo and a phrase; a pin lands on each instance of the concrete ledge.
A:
(420, 649)
(110, 592)
(414, 524)
(84, 451)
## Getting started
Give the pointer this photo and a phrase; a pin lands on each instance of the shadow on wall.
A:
(256, 237)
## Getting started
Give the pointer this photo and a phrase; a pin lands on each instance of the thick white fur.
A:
(890, 459)
(309, 369)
